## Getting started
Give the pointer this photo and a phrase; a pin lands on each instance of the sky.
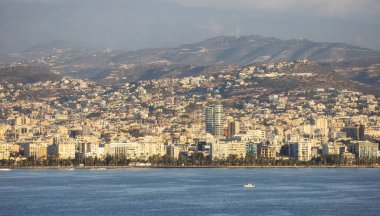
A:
(334, 8)
(137, 24)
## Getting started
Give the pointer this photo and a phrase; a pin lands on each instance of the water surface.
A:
(190, 192)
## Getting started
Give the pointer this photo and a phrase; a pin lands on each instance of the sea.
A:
(188, 191)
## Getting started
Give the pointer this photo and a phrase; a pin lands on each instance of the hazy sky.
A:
(334, 8)
(136, 24)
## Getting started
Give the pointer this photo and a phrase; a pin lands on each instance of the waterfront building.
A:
(363, 149)
(66, 150)
(172, 151)
(135, 150)
(332, 148)
(222, 149)
(128, 150)
(38, 151)
(89, 149)
(300, 150)
(266, 151)
(252, 149)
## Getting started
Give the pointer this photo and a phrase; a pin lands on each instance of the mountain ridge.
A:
(245, 50)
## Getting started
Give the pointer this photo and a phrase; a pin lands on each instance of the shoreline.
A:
(187, 167)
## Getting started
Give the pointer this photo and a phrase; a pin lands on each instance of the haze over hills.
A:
(136, 24)
(248, 49)
(217, 50)
(51, 46)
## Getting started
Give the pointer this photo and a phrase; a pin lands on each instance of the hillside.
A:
(246, 50)
(348, 64)
(27, 74)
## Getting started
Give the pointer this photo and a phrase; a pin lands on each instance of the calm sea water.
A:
(190, 192)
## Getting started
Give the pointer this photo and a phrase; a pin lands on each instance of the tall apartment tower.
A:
(214, 120)
(231, 129)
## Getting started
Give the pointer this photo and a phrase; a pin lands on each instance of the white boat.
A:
(98, 169)
(5, 169)
(70, 169)
(249, 185)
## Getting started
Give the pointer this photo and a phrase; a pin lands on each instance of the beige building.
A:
(222, 149)
(148, 149)
(267, 152)
(66, 150)
(36, 150)
(5, 150)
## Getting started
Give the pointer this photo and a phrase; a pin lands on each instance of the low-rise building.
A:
(5, 150)
(135, 150)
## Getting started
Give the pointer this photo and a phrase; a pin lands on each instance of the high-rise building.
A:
(355, 133)
(172, 151)
(363, 149)
(300, 150)
(214, 120)
(361, 132)
(232, 129)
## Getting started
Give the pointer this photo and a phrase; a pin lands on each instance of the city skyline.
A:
(159, 122)
(189, 107)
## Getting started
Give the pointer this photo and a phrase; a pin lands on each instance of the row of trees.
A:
(196, 159)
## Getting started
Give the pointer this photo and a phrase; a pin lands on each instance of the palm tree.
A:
(232, 159)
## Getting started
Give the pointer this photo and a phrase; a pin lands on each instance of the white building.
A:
(136, 150)
(300, 150)
(222, 149)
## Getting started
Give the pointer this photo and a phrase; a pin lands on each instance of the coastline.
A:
(186, 167)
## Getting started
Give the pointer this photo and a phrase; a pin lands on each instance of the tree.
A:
(249, 159)
(198, 159)
(232, 159)
(135, 133)
(284, 151)
(183, 160)
(155, 160)
(109, 159)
